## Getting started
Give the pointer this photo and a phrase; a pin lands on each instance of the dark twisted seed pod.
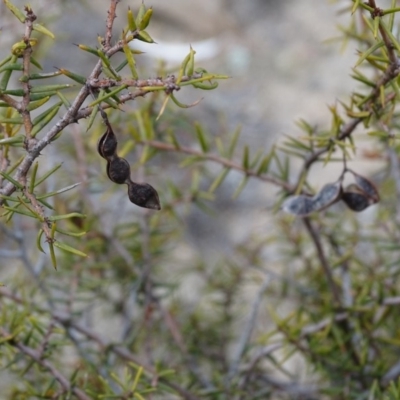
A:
(328, 195)
(143, 195)
(107, 145)
(300, 205)
(367, 187)
(356, 199)
(118, 170)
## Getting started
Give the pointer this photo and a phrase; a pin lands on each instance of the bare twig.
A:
(110, 21)
(323, 260)
(247, 331)
(26, 62)
(215, 158)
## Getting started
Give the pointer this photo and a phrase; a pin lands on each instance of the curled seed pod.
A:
(298, 205)
(367, 187)
(356, 199)
(328, 195)
(118, 170)
(107, 144)
(143, 195)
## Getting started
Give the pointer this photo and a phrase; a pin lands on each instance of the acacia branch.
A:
(68, 322)
(215, 158)
(391, 73)
(110, 22)
(26, 63)
(37, 356)
(69, 117)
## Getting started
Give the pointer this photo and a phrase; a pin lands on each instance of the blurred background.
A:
(282, 63)
(280, 57)
(281, 68)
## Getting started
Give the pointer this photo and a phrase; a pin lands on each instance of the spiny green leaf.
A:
(123, 64)
(33, 177)
(12, 180)
(66, 216)
(201, 138)
(93, 116)
(65, 189)
(39, 96)
(131, 61)
(5, 61)
(368, 52)
(12, 67)
(181, 105)
(33, 105)
(140, 14)
(77, 78)
(52, 254)
(233, 143)
(47, 174)
(69, 249)
(218, 180)
(11, 121)
(240, 188)
(64, 100)
(88, 49)
(72, 234)
(42, 29)
(45, 76)
(265, 162)
(245, 158)
(145, 37)
(7, 75)
(15, 10)
(393, 39)
(108, 95)
(131, 20)
(18, 211)
(49, 88)
(50, 114)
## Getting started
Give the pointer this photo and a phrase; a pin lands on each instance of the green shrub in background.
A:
(121, 316)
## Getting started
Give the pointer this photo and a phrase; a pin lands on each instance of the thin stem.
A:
(110, 21)
(26, 63)
(323, 260)
(215, 158)
(247, 330)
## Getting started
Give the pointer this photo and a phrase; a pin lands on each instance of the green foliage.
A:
(121, 316)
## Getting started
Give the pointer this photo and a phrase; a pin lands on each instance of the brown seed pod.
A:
(143, 195)
(118, 170)
(328, 195)
(107, 145)
(356, 199)
(367, 187)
